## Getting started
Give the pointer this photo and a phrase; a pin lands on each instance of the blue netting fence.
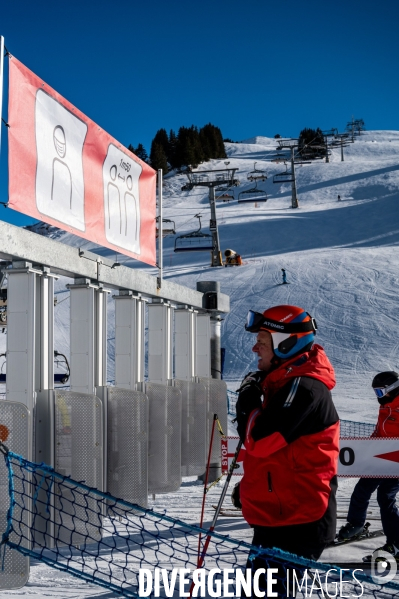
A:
(349, 428)
(107, 541)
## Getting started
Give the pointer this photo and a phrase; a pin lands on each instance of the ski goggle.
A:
(382, 391)
(256, 321)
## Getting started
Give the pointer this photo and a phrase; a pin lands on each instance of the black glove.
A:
(235, 496)
(254, 380)
(249, 398)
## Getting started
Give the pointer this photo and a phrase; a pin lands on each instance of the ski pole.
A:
(217, 511)
(215, 418)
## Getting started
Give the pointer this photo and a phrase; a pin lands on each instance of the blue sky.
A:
(252, 67)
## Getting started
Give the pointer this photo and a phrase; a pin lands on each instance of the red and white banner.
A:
(374, 457)
(67, 171)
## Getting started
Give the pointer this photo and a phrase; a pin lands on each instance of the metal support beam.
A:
(203, 346)
(216, 362)
(88, 337)
(129, 340)
(185, 344)
(294, 198)
(19, 244)
(160, 317)
(1, 82)
(44, 342)
(160, 236)
(216, 256)
(21, 331)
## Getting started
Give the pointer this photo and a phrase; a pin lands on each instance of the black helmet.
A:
(386, 386)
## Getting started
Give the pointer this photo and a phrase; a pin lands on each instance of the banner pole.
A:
(1, 80)
(160, 238)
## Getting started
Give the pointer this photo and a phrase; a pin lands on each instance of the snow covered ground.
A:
(342, 263)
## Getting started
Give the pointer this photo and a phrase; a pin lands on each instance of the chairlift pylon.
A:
(252, 195)
(257, 174)
(196, 241)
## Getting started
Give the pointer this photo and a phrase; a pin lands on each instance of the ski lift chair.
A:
(283, 177)
(252, 195)
(170, 230)
(195, 241)
(257, 174)
(2, 374)
(59, 377)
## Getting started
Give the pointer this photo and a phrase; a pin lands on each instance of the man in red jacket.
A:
(386, 388)
(290, 428)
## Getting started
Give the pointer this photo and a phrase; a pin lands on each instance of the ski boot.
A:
(349, 531)
(388, 548)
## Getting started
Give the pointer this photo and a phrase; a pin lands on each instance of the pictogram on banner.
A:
(67, 171)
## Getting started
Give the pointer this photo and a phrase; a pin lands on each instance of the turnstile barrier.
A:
(164, 442)
(79, 454)
(127, 440)
(193, 427)
(15, 418)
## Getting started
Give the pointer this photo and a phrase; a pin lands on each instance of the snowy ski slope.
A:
(342, 263)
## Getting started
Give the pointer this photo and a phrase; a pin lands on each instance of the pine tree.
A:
(158, 157)
(311, 143)
(141, 153)
(172, 149)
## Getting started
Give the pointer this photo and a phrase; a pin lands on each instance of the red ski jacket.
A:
(292, 445)
(388, 420)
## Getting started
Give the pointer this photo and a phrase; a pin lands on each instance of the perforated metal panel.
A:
(216, 404)
(15, 416)
(164, 444)
(193, 427)
(79, 453)
(128, 445)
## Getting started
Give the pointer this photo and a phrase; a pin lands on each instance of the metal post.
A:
(326, 142)
(294, 199)
(21, 334)
(160, 238)
(82, 337)
(1, 80)
(342, 150)
(100, 339)
(185, 343)
(129, 340)
(216, 257)
(203, 347)
(216, 362)
(44, 377)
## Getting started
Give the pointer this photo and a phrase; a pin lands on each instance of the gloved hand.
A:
(253, 379)
(235, 496)
(249, 398)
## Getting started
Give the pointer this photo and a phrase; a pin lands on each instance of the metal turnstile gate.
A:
(127, 440)
(193, 427)
(16, 418)
(79, 454)
(164, 444)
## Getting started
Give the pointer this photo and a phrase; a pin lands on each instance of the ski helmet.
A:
(386, 386)
(292, 329)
